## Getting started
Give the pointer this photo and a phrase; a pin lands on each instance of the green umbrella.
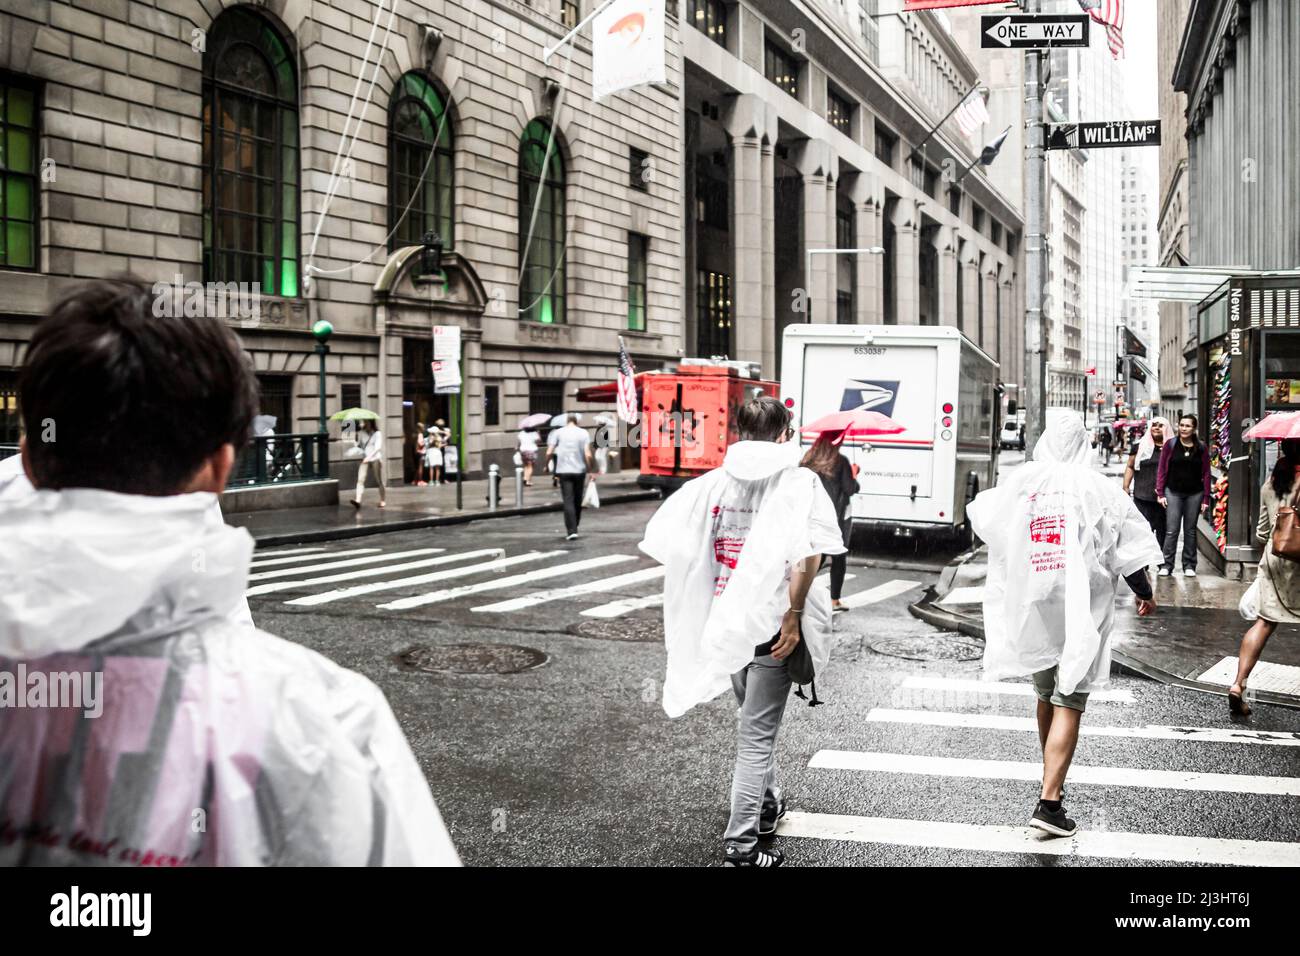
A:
(353, 415)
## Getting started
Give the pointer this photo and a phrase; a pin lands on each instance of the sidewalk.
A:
(1191, 641)
(410, 507)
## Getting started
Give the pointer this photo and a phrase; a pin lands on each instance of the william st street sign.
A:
(1033, 31)
(1117, 134)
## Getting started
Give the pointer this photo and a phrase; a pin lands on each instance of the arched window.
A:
(250, 154)
(541, 237)
(417, 123)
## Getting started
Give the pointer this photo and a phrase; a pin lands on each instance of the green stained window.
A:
(19, 168)
(541, 225)
(420, 197)
(637, 246)
(250, 153)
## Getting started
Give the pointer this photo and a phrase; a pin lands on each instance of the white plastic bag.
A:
(518, 459)
(1248, 606)
(591, 497)
(354, 451)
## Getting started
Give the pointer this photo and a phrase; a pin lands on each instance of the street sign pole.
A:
(1035, 394)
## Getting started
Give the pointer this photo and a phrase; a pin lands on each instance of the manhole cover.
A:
(928, 648)
(627, 629)
(473, 658)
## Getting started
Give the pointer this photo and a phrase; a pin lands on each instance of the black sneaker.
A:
(1057, 824)
(755, 857)
(767, 822)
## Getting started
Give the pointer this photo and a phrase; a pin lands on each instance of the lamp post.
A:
(807, 268)
(322, 331)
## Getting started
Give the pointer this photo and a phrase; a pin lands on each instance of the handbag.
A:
(1286, 532)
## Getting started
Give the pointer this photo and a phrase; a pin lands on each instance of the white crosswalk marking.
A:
(1004, 839)
(625, 605)
(419, 579)
(303, 554)
(1025, 770)
(349, 563)
(922, 682)
(573, 590)
(554, 571)
(357, 573)
(880, 592)
(1028, 724)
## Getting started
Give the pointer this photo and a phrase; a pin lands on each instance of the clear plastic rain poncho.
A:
(1060, 535)
(144, 724)
(728, 540)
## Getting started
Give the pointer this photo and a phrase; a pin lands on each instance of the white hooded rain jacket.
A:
(1060, 535)
(727, 540)
(214, 743)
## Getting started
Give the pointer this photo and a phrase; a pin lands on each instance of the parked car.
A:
(1013, 434)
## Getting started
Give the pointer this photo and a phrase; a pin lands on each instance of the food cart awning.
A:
(1189, 283)
(607, 392)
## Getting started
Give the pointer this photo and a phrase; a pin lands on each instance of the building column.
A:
(747, 248)
(1012, 331)
(946, 248)
(768, 202)
(987, 280)
(907, 248)
(817, 166)
(869, 296)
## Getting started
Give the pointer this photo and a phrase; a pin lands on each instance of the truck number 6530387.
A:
(867, 350)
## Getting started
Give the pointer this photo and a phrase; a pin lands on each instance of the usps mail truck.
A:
(934, 382)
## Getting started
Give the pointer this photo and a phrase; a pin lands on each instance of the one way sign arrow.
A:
(1033, 31)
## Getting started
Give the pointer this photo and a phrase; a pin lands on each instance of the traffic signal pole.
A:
(1035, 393)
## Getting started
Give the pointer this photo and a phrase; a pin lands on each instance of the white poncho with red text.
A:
(1060, 536)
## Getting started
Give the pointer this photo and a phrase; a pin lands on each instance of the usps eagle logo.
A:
(872, 396)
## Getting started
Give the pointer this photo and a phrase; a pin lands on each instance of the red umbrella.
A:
(1277, 425)
(854, 424)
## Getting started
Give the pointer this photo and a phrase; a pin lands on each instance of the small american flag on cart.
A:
(626, 385)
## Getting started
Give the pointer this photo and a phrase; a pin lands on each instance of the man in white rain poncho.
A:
(179, 734)
(1060, 535)
(741, 546)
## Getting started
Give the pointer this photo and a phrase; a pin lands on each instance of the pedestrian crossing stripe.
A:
(355, 573)
(555, 571)
(349, 563)
(1226, 735)
(1083, 775)
(304, 554)
(574, 590)
(1087, 844)
(1275, 678)
(924, 682)
(358, 589)
(880, 592)
(624, 606)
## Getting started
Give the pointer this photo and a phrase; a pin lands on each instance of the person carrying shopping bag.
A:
(1183, 490)
(372, 461)
(570, 450)
(1277, 581)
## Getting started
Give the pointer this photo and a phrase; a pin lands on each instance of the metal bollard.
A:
(494, 486)
(519, 486)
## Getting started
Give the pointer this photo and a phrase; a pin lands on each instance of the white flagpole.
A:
(550, 51)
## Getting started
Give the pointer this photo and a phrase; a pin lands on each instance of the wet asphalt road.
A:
(575, 763)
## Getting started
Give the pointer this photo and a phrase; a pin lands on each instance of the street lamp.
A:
(807, 268)
(322, 331)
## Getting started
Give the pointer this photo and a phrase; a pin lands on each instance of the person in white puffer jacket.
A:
(206, 742)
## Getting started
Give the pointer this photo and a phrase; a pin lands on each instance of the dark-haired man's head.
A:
(116, 398)
(763, 419)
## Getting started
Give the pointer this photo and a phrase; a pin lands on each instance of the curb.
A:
(414, 524)
(927, 610)
(1130, 665)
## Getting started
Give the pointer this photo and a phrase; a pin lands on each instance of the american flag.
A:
(626, 385)
(972, 114)
(1110, 14)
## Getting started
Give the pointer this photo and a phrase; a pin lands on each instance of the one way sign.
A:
(1033, 31)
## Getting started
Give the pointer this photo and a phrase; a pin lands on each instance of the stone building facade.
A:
(1177, 340)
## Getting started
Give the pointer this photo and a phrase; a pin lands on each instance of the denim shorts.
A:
(1045, 688)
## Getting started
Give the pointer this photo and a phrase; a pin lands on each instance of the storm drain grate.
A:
(927, 648)
(473, 658)
(629, 629)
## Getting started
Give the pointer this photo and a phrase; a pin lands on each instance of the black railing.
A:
(278, 459)
(8, 451)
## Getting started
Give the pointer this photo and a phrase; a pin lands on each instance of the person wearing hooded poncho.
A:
(1060, 535)
(208, 742)
(740, 546)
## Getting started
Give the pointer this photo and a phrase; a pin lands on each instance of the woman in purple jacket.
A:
(1183, 488)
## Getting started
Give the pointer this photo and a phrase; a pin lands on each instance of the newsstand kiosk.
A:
(1249, 365)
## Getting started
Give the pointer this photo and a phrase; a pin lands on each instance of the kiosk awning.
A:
(1190, 283)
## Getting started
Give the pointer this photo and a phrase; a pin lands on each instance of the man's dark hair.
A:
(117, 398)
(762, 419)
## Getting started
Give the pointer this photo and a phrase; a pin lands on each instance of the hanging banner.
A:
(627, 46)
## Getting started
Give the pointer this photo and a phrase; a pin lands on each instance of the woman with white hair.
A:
(1060, 535)
(1143, 464)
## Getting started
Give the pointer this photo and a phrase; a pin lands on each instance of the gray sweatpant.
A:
(762, 688)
